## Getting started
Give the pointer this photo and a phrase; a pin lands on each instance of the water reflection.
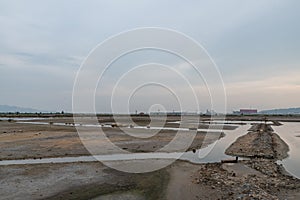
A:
(288, 133)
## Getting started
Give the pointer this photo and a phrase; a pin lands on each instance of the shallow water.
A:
(22, 118)
(222, 122)
(216, 152)
(288, 133)
(109, 126)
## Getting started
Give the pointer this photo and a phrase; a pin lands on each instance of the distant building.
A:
(248, 111)
(236, 112)
(210, 112)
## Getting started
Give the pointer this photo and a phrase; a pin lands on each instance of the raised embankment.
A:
(259, 142)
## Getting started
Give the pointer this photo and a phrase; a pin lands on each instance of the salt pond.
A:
(289, 132)
(212, 153)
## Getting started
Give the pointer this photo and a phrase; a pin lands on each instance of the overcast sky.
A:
(255, 45)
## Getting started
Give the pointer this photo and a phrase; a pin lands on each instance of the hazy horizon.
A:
(255, 45)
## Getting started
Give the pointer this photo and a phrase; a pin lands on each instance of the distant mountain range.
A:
(6, 108)
(283, 111)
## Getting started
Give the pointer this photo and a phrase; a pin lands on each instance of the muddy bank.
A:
(260, 142)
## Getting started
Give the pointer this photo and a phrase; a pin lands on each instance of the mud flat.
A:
(25, 141)
(253, 179)
(79, 181)
(257, 178)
